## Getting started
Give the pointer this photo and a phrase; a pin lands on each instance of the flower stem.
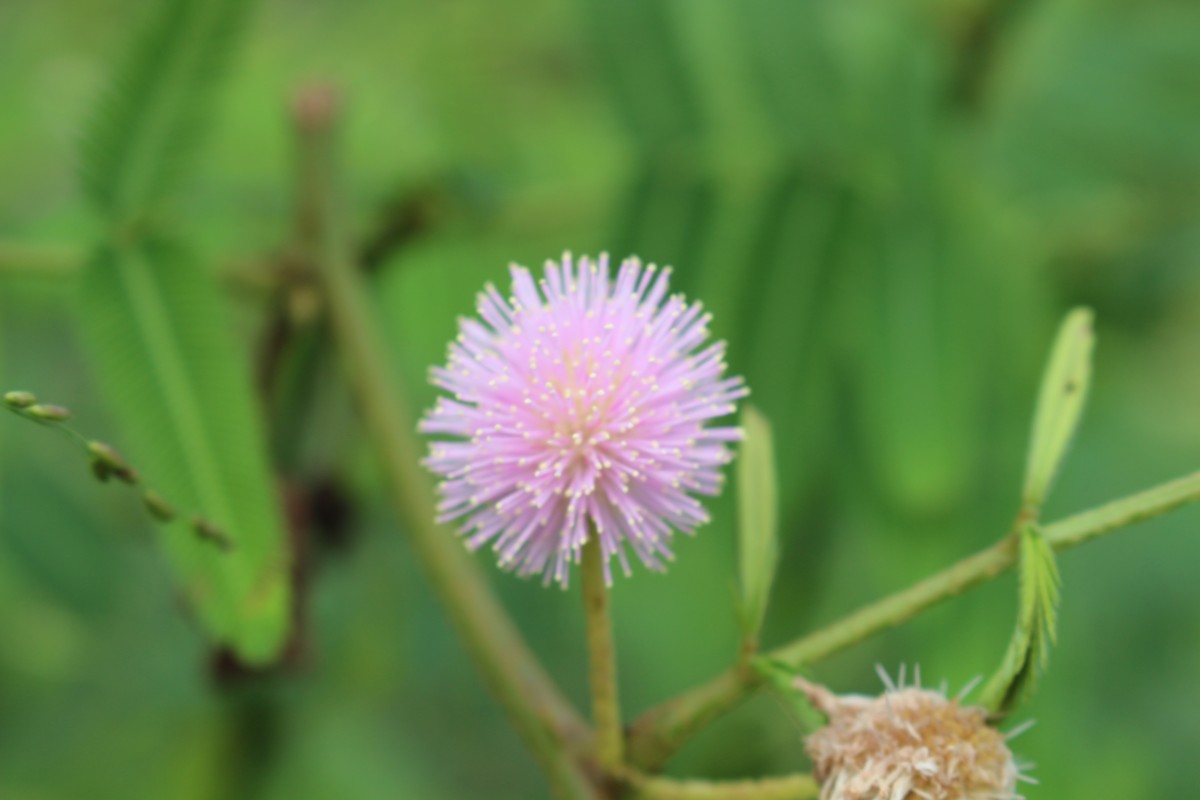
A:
(549, 726)
(602, 658)
(660, 731)
(790, 787)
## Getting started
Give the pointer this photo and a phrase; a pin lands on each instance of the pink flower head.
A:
(580, 404)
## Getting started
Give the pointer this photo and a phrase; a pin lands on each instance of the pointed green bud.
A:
(1060, 403)
(19, 399)
(48, 413)
(758, 546)
(159, 508)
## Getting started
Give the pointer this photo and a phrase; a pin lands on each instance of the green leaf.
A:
(1037, 624)
(147, 128)
(159, 340)
(1060, 403)
(758, 520)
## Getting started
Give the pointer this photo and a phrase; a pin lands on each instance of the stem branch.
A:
(659, 732)
(549, 726)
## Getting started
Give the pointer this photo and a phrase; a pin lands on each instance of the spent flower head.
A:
(581, 403)
(908, 744)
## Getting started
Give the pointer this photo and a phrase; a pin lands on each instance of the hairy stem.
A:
(549, 726)
(602, 658)
(659, 732)
(790, 787)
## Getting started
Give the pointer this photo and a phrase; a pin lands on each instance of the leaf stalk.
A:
(659, 732)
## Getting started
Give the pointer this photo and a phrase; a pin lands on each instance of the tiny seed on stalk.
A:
(19, 399)
(106, 453)
(101, 470)
(210, 532)
(112, 461)
(48, 413)
(158, 507)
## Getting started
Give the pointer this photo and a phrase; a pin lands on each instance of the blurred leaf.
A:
(1097, 99)
(341, 751)
(758, 520)
(1037, 624)
(146, 130)
(637, 44)
(157, 329)
(909, 296)
(159, 340)
(782, 313)
(787, 47)
(1060, 403)
(916, 358)
(667, 206)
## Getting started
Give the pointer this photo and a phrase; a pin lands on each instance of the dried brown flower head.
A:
(908, 744)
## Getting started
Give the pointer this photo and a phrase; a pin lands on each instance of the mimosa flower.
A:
(581, 404)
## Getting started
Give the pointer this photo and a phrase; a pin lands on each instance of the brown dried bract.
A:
(907, 744)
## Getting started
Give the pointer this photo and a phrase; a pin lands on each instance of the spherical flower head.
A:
(908, 744)
(581, 404)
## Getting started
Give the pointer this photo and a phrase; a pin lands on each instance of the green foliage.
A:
(1060, 404)
(758, 520)
(789, 131)
(146, 131)
(1037, 624)
(158, 334)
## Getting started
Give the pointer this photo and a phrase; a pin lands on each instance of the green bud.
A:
(19, 399)
(158, 507)
(48, 413)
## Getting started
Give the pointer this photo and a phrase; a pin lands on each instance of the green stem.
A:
(544, 719)
(602, 662)
(51, 262)
(255, 733)
(790, 787)
(659, 732)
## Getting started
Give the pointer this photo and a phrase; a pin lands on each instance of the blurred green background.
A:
(887, 205)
